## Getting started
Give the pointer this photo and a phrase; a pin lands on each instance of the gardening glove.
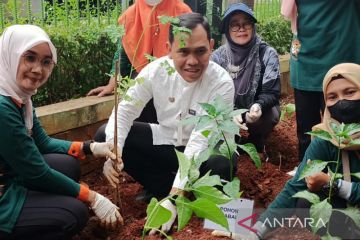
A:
(102, 149)
(111, 173)
(167, 226)
(238, 120)
(254, 114)
(236, 236)
(106, 211)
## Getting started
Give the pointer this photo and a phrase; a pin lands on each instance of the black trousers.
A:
(51, 216)
(309, 108)
(155, 166)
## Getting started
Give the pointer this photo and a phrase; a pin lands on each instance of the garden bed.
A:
(260, 185)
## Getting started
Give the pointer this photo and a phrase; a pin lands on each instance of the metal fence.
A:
(107, 11)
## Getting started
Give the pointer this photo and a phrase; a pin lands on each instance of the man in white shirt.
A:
(148, 153)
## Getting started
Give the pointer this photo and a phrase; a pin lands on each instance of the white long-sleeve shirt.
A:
(174, 99)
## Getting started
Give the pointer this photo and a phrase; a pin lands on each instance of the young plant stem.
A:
(333, 178)
(117, 197)
(336, 171)
(228, 148)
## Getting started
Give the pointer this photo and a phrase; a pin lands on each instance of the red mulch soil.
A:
(261, 185)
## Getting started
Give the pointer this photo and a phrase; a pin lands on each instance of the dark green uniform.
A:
(328, 34)
(21, 155)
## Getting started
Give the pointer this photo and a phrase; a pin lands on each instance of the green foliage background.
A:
(276, 32)
(85, 54)
(86, 46)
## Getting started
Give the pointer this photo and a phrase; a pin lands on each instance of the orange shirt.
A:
(144, 34)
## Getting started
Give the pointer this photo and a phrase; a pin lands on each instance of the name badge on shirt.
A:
(192, 112)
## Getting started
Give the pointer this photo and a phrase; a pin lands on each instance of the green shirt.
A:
(329, 34)
(23, 165)
(284, 204)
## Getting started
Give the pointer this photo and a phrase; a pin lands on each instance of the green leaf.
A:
(212, 194)
(321, 213)
(156, 215)
(357, 175)
(250, 149)
(353, 213)
(352, 128)
(184, 164)
(221, 106)
(207, 180)
(229, 126)
(204, 208)
(214, 139)
(288, 110)
(228, 149)
(321, 134)
(184, 212)
(311, 197)
(209, 108)
(140, 80)
(232, 188)
(194, 173)
(336, 127)
(193, 120)
(314, 166)
(150, 57)
(238, 112)
(203, 156)
(355, 142)
(168, 19)
(206, 133)
(204, 122)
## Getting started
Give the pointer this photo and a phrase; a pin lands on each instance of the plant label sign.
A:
(239, 213)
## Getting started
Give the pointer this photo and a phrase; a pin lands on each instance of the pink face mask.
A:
(153, 2)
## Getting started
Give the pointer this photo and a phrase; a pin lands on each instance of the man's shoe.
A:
(144, 196)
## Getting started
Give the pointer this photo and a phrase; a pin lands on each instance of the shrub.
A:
(276, 31)
(85, 55)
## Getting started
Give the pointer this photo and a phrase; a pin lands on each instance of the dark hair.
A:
(338, 76)
(190, 21)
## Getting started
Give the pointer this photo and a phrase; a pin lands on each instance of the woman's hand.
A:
(316, 181)
(102, 149)
(105, 210)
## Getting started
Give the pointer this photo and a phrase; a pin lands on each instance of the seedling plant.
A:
(322, 210)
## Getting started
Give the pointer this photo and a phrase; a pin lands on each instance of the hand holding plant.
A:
(315, 177)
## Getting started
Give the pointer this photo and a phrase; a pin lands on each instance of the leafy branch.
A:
(341, 133)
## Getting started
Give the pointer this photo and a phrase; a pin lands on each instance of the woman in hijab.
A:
(40, 197)
(144, 35)
(254, 67)
(341, 88)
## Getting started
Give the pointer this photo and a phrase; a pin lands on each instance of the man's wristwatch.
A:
(334, 191)
(86, 147)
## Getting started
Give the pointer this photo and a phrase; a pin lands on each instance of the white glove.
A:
(254, 114)
(112, 174)
(239, 122)
(106, 211)
(102, 149)
(236, 236)
(167, 226)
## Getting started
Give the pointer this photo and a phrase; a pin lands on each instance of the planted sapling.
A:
(323, 209)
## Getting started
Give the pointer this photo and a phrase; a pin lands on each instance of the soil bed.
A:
(260, 185)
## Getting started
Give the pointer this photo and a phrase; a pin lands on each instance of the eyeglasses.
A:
(236, 26)
(32, 60)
